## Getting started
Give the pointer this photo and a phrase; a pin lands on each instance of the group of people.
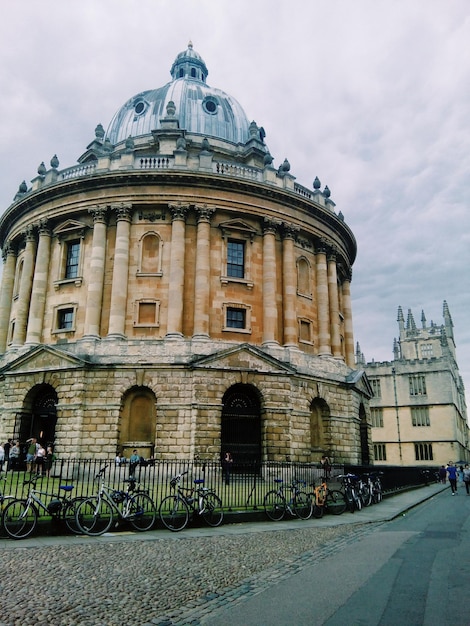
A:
(455, 474)
(39, 460)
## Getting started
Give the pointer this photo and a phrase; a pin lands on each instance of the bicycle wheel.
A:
(212, 511)
(335, 502)
(318, 510)
(349, 497)
(302, 505)
(377, 495)
(94, 516)
(366, 495)
(174, 513)
(70, 515)
(274, 505)
(142, 512)
(19, 519)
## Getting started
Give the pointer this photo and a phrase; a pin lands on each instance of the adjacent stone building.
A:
(418, 411)
(177, 293)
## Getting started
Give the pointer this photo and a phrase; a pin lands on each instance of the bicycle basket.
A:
(54, 507)
(117, 497)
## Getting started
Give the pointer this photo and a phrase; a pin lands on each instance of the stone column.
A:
(6, 293)
(40, 282)
(269, 282)
(289, 286)
(324, 339)
(117, 315)
(333, 297)
(202, 278)
(348, 322)
(24, 296)
(176, 282)
(96, 273)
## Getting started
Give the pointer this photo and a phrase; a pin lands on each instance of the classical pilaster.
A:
(289, 285)
(24, 295)
(269, 281)
(40, 282)
(6, 293)
(176, 283)
(202, 279)
(117, 315)
(348, 322)
(333, 297)
(324, 339)
(96, 273)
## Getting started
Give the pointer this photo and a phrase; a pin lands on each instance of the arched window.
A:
(138, 422)
(150, 254)
(241, 425)
(19, 274)
(319, 415)
(303, 278)
(39, 416)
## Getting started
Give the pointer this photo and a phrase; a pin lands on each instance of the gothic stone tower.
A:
(176, 293)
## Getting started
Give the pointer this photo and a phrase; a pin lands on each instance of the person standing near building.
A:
(452, 472)
(31, 453)
(466, 478)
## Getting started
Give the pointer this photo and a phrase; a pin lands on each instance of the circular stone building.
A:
(176, 293)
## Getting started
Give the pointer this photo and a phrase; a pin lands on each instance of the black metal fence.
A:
(244, 490)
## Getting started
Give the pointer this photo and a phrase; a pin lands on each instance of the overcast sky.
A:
(371, 96)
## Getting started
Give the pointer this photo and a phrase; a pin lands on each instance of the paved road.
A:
(414, 570)
(293, 572)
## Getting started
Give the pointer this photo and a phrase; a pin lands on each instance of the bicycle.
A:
(20, 516)
(326, 499)
(276, 505)
(175, 509)
(365, 489)
(351, 495)
(377, 492)
(96, 515)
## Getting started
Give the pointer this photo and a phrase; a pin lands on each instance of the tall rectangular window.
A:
(236, 259)
(420, 416)
(236, 318)
(375, 384)
(65, 319)
(423, 452)
(72, 260)
(377, 417)
(417, 384)
(380, 452)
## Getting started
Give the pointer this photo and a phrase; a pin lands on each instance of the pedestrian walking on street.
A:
(452, 471)
(442, 474)
(466, 478)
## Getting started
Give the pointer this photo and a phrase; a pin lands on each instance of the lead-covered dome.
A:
(200, 109)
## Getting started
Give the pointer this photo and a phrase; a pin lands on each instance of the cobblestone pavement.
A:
(166, 581)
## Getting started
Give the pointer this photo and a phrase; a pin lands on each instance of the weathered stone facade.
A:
(177, 294)
(418, 411)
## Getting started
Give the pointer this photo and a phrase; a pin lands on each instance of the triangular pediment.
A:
(70, 227)
(43, 358)
(244, 357)
(237, 226)
(358, 379)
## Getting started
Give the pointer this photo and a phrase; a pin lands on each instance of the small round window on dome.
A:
(139, 107)
(210, 105)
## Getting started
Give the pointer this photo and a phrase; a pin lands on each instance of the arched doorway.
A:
(319, 417)
(138, 423)
(39, 416)
(364, 433)
(241, 425)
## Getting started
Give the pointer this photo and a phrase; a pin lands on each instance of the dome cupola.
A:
(199, 108)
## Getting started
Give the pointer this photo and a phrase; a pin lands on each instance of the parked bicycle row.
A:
(294, 499)
(109, 507)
